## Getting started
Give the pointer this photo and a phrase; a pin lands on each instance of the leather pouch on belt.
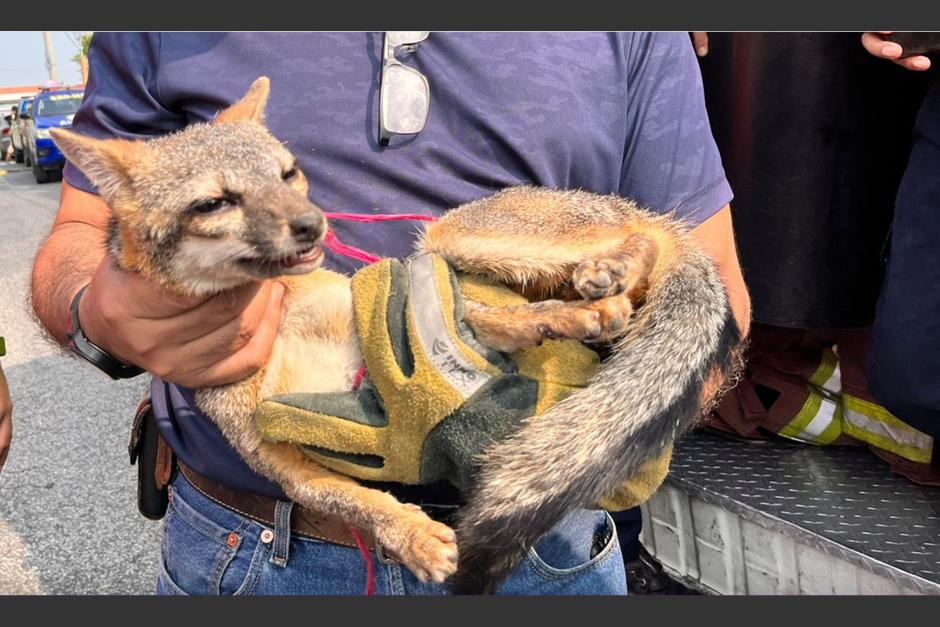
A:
(154, 460)
(433, 398)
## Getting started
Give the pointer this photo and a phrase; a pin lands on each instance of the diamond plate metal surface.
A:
(841, 500)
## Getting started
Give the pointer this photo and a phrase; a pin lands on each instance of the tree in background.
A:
(81, 57)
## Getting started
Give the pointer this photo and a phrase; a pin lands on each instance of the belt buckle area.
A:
(441, 512)
(383, 556)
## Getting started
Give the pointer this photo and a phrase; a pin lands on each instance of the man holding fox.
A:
(623, 114)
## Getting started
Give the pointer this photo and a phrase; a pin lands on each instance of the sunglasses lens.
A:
(405, 97)
(404, 37)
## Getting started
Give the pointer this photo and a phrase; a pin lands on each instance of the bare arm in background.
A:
(6, 419)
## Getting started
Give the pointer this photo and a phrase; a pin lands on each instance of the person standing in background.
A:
(815, 163)
(904, 368)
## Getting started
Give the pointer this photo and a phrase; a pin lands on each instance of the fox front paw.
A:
(569, 321)
(428, 548)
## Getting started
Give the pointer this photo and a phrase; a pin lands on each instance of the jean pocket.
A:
(165, 584)
(579, 543)
(199, 556)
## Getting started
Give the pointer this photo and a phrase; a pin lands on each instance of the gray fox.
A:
(223, 203)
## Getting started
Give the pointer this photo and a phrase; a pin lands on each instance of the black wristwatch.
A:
(96, 356)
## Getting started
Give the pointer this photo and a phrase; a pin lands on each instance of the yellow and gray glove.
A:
(433, 398)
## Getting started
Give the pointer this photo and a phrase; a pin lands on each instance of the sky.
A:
(23, 58)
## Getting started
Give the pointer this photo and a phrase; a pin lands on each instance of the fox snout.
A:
(307, 228)
(279, 220)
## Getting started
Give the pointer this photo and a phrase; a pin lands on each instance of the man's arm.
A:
(188, 341)
(716, 236)
(68, 258)
(6, 419)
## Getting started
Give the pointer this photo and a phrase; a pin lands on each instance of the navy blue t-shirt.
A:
(605, 112)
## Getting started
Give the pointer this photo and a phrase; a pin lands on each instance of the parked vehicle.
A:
(17, 134)
(50, 109)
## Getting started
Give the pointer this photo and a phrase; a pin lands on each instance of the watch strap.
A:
(95, 355)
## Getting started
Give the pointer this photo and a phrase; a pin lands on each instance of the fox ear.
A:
(251, 107)
(105, 162)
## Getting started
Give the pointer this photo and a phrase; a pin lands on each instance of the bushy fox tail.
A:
(644, 396)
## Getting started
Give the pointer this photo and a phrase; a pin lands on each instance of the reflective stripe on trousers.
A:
(819, 421)
(875, 425)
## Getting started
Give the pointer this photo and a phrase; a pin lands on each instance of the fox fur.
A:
(221, 204)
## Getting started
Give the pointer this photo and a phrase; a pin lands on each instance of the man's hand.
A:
(6, 419)
(188, 341)
(876, 44)
(192, 342)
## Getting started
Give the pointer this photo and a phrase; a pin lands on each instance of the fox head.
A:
(213, 206)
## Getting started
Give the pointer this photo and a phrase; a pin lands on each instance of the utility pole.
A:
(50, 56)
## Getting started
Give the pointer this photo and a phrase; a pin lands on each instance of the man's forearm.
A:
(68, 258)
(716, 237)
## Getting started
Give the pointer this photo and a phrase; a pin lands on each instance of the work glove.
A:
(433, 398)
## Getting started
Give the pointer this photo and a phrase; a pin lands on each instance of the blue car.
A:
(50, 109)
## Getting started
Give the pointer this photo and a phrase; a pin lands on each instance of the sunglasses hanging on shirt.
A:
(404, 93)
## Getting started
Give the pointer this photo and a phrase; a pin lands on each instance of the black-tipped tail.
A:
(646, 394)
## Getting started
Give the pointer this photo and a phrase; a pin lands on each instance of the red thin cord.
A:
(332, 242)
(370, 567)
(360, 375)
(378, 217)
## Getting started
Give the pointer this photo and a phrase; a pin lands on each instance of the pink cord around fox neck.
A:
(332, 242)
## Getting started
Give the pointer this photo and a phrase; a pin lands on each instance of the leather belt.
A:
(261, 508)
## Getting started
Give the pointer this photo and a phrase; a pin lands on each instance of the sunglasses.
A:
(404, 94)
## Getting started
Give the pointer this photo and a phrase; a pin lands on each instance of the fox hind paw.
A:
(599, 278)
(627, 272)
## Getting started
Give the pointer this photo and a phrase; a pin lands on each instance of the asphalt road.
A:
(68, 517)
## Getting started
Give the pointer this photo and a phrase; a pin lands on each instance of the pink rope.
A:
(359, 217)
(370, 566)
(332, 242)
(360, 375)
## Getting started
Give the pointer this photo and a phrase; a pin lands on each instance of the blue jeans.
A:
(210, 549)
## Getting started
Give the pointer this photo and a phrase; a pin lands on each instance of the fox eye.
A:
(289, 174)
(208, 206)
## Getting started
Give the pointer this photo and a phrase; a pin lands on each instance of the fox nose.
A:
(306, 227)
